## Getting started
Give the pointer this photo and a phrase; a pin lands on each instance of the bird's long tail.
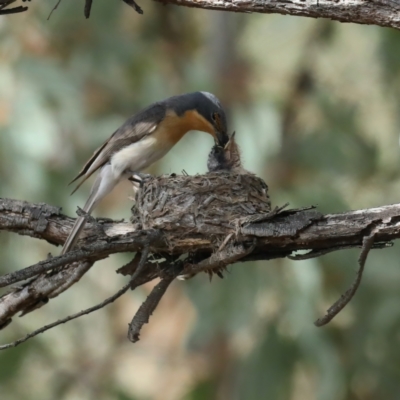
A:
(103, 185)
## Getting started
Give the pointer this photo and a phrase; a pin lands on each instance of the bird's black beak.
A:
(222, 138)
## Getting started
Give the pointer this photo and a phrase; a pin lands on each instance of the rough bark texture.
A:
(209, 220)
(371, 12)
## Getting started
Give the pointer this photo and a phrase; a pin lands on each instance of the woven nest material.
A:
(213, 203)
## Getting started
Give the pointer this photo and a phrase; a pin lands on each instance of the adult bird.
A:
(145, 138)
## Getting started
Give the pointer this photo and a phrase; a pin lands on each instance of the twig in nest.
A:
(338, 306)
(54, 9)
(262, 217)
(134, 5)
(225, 242)
(104, 303)
(144, 312)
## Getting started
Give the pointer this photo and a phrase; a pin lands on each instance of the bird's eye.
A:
(215, 117)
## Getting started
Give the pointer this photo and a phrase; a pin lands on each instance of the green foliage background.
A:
(315, 107)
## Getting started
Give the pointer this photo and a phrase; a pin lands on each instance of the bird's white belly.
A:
(138, 156)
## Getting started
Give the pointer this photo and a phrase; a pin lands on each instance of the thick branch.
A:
(266, 236)
(273, 236)
(370, 12)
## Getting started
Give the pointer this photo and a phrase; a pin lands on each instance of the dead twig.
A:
(338, 306)
(88, 7)
(42, 266)
(53, 9)
(104, 303)
(134, 5)
(91, 253)
(144, 312)
(15, 10)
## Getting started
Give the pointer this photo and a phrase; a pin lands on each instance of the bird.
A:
(226, 157)
(143, 139)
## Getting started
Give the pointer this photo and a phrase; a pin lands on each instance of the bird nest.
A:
(210, 204)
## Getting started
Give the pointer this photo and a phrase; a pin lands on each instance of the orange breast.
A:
(173, 127)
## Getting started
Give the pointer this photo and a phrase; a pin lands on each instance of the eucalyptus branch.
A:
(275, 234)
(371, 12)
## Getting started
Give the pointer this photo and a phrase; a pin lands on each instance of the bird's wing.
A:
(133, 130)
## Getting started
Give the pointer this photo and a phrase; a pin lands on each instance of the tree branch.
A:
(370, 12)
(275, 234)
(319, 231)
(104, 303)
(349, 294)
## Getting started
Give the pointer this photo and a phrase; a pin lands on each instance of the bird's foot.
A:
(139, 178)
(83, 213)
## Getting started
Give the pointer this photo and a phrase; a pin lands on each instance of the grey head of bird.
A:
(203, 111)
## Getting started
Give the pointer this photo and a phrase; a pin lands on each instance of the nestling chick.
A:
(226, 158)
